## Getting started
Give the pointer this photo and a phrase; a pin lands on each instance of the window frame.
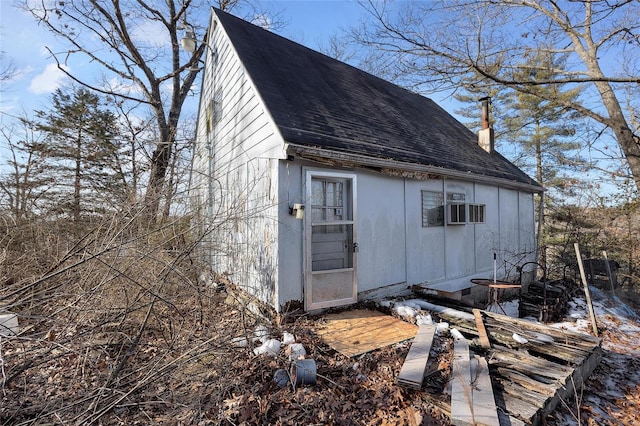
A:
(455, 202)
(431, 211)
(482, 211)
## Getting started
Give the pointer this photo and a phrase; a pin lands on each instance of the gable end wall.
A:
(234, 178)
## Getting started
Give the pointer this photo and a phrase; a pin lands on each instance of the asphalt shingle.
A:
(318, 101)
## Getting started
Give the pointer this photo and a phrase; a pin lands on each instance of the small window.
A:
(209, 116)
(456, 209)
(213, 111)
(476, 213)
(432, 209)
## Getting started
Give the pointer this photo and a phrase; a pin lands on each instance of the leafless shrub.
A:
(106, 320)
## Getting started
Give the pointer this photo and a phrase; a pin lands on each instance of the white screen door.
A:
(330, 244)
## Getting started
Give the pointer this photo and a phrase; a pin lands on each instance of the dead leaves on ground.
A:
(185, 381)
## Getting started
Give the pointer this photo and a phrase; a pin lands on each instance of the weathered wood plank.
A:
(485, 412)
(518, 401)
(555, 332)
(513, 410)
(573, 382)
(527, 382)
(482, 332)
(587, 293)
(572, 356)
(360, 330)
(461, 392)
(569, 351)
(415, 363)
(538, 337)
(525, 363)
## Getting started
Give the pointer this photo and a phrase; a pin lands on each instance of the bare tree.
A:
(24, 181)
(440, 44)
(7, 70)
(137, 44)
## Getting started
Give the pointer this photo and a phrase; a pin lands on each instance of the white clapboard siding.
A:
(236, 162)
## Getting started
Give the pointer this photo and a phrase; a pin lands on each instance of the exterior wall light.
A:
(188, 42)
(297, 210)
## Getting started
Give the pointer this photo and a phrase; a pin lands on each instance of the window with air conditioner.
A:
(456, 209)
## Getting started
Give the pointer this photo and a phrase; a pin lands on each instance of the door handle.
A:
(355, 247)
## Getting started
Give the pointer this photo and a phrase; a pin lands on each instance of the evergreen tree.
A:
(24, 181)
(81, 147)
(542, 126)
(535, 130)
(544, 131)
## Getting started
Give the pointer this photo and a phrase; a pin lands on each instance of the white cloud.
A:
(126, 88)
(48, 81)
(151, 34)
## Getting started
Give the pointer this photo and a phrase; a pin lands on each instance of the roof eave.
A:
(353, 160)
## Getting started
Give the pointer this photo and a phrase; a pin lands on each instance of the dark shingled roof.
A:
(318, 101)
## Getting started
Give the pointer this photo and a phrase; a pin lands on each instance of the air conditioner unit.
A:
(456, 214)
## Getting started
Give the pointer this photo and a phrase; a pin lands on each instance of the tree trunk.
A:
(77, 180)
(629, 143)
(159, 165)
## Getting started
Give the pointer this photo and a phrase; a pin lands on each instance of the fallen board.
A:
(472, 401)
(461, 397)
(361, 330)
(485, 412)
(415, 363)
(484, 339)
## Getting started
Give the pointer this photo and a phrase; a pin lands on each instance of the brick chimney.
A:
(485, 135)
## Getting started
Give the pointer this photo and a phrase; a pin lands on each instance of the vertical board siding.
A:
(290, 233)
(527, 224)
(425, 245)
(487, 235)
(381, 231)
(510, 251)
(459, 242)
(447, 257)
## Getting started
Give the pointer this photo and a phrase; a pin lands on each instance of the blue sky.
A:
(25, 43)
(312, 22)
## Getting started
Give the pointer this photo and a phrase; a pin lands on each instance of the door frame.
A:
(308, 272)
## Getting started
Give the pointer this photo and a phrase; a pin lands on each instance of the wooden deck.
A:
(525, 381)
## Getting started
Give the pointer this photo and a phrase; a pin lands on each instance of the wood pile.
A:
(545, 301)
